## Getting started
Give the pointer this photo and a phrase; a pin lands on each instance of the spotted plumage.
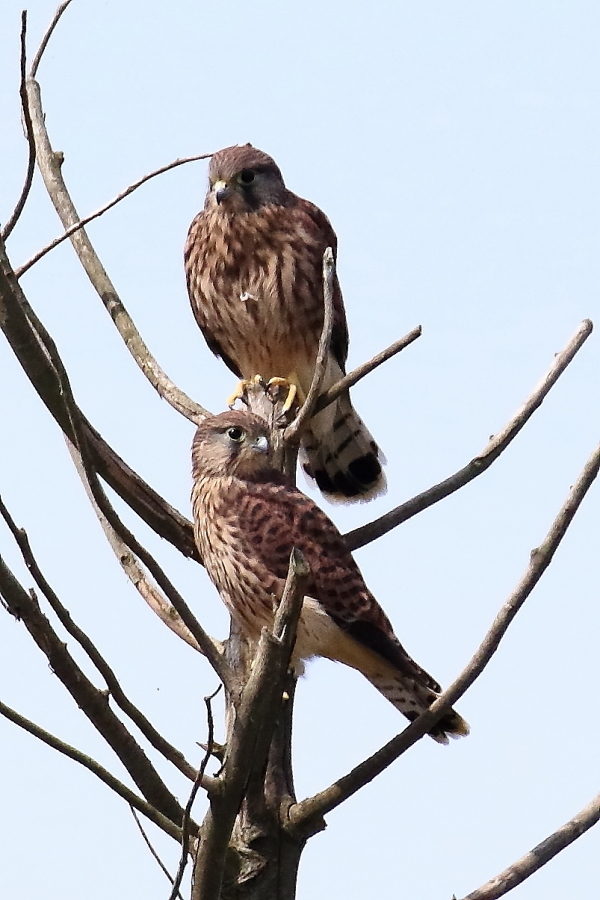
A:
(247, 519)
(254, 263)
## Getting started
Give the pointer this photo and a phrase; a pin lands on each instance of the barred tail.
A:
(341, 455)
(412, 699)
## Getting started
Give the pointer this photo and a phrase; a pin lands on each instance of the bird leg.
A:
(295, 392)
(242, 387)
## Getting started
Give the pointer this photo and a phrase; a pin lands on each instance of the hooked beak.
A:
(221, 191)
(261, 444)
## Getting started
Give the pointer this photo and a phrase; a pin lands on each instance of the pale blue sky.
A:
(454, 146)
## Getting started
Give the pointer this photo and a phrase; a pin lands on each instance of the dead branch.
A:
(28, 335)
(91, 765)
(210, 743)
(293, 431)
(34, 347)
(44, 42)
(147, 729)
(103, 209)
(326, 800)
(155, 599)
(153, 852)
(248, 743)
(540, 855)
(49, 164)
(349, 380)
(92, 701)
(20, 204)
(498, 443)
(210, 650)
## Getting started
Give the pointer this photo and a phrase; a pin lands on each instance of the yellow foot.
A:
(242, 387)
(292, 392)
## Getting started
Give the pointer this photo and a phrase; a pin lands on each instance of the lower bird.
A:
(247, 519)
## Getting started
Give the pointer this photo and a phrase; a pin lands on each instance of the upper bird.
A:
(254, 269)
(247, 519)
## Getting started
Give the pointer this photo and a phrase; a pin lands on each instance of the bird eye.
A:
(246, 176)
(236, 434)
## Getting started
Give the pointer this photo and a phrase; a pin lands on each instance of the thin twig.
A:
(20, 205)
(328, 799)
(150, 733)
(349, 380)
(99, 212)
(293, 431)
(153, 852)
(540, 855)
(91, 765)
(49, 164)
(367, 533)
(44, 42)
(210, 741)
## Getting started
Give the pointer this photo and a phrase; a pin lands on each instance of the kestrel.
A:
(247, 519)
(254, 269)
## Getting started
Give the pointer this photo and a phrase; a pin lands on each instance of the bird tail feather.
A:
(340, 453)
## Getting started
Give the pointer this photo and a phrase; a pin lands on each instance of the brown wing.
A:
(195, 234)
(273, 518)
(339, 335)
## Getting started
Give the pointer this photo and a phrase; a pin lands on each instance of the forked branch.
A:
(498, 443)
(323, 802)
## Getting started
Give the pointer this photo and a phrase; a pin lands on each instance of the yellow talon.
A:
(242, 387)
(292, 392)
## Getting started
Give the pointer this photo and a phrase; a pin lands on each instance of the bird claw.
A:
(242, 388)
(292, 392)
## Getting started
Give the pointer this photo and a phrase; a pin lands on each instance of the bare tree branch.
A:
(498, 443)
(49, 164)
(210, 742)
(100, 212)
(28, 127)
(302, 813)
(540, 855)
(293, 431)
(155, 599)
(153, 852)
(44, 42)
(256, 714)
(210, 650)
(34, 348)
(103, 774)
(147, 729)
(88, 697)
(349, 380)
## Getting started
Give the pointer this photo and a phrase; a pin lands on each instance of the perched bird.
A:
(247, 518)
(254, 269)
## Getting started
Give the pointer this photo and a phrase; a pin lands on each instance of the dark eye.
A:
(235, 433)
(246, 176)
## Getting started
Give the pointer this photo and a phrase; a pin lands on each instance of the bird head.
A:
(232, 443)
(242, 179)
